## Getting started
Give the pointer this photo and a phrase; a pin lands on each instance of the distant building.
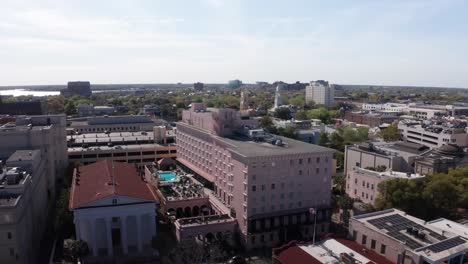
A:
(370, 119)
(388, 107)
(150, 110)
(20, 108)
(320, 92)
(361, 184)
(278, 98)
(114, 209)
(198, 86)
(127, 123)
(90, 110)
(235, 83)
(330, 251)
(82, 89)
(402, 238)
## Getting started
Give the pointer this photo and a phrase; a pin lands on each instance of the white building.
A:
(388, 107)
(320, 92)
(433, 135)
(114, 209)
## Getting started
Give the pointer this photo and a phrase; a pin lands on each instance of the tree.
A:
(320, 113)
(283, 113)
(79, 249)
(390, 133)
(56, 104)
(298, 100)
(336, 141)
(323, 139)
(266, 122)
(301, 115)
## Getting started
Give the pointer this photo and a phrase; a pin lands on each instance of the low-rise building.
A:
(388, 107)
(102, 124)
(91, 110)
(402, 238)
(114, 209)
(434, 133)
(371, 119)
(362, 184)
(330, 251)
(441, 159)
(397, 156)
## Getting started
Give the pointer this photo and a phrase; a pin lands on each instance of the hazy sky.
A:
(405, 42)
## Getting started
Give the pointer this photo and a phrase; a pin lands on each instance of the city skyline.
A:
(417, 43)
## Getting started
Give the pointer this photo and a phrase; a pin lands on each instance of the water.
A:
(23, 92)
(167, 175)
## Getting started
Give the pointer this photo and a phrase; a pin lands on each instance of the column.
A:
(110, 249)
(123, 234)
(93, 233)
(139, 236)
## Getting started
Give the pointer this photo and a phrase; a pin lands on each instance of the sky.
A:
(407, 42)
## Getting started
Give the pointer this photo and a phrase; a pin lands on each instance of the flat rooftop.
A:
(425, 239)
(249, 148)
(126, 147)
(23, 155)
(388, 174)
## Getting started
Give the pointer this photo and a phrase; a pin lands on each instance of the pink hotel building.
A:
(268, 183)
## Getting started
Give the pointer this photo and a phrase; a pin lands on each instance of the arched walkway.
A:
(179, 213)
(187, 212)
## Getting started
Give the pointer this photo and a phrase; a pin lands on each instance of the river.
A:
(23, 92)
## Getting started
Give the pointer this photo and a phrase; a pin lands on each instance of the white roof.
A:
(450, 226)
(328, 251)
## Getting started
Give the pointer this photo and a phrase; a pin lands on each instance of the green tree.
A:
(320, 113)
(301, 115)
(283, 113)
(323, 139)
(265, 122)
(298, 100)
(390, 133)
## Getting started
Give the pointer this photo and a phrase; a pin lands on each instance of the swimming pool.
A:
(167, 175)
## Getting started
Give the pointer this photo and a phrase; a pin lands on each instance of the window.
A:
(300, 172)
(326, 159)
(354, 235)
(372, 244)
(253, 240)
(309, 160)
(114, 201)
(263, 187)
(355, 181)
(318, 159)
(9, 235)
(300, 161)
(317, 170)
(364, 239)
(367, 185)
(382, 249)
(362, 194)
(372, 186)
(12, 252)
(254, 188)
(358, 164)
(272, 186)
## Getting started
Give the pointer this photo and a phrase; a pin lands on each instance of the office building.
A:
(268, 183)
(362, 184)
(320, 92)
(402, 238)
(198, 86)
(20, 108)
(82, 89)
(114, 209)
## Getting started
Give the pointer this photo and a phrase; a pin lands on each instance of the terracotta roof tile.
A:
(107, 178)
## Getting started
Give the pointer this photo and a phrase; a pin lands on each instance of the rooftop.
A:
(328, 251)
(126, 147)
(414, 233)
(23, 155)
(107, 178)
(388, 174)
